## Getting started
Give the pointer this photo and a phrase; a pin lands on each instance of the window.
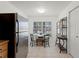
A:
(42, 27)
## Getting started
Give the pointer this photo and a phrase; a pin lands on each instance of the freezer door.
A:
(22, 46)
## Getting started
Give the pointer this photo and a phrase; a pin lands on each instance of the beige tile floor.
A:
(41, 52)
(48, 52)
(22, 52)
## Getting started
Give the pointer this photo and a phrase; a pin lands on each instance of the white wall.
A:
(66, 13)
(7, 7)
(69, 8)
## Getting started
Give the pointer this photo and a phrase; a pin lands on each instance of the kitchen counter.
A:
(3, 42)
(3, 48)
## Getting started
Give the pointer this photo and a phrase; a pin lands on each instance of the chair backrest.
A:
(32, 37)
(46, 36)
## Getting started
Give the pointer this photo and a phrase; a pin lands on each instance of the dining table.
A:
(39, 39)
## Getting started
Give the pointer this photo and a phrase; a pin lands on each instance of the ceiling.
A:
(52, 8)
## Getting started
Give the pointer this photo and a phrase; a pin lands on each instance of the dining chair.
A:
(32, 42)
(46, 40)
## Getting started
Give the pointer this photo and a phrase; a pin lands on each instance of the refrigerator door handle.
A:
(17, 35)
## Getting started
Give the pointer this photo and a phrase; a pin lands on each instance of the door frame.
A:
(69, 30)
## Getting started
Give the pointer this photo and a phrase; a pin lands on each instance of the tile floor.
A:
(22, 52)
(41, 52)
(48, 52)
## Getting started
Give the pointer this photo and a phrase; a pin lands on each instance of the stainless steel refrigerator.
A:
(21, 41)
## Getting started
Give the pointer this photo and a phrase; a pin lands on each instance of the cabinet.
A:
(61, 36)
(3, 48)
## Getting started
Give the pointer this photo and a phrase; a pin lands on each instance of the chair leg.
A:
(31, 44)
(44, 44)
(48, 44)
(56, 42)
(34, 43)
